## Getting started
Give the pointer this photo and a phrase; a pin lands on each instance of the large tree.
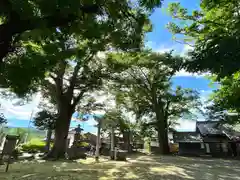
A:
(114, 120)
(68, 83)
(145, 88)
(213, 32)
(62, 62)
(24, 25)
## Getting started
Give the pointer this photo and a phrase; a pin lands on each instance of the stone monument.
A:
(77, 135)
(76, 151)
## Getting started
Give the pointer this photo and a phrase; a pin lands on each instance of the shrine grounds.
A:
(142, 167)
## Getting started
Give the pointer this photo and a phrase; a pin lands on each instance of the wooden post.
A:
(112, 144)
(48, 140)
(8, 162)
(98, 141)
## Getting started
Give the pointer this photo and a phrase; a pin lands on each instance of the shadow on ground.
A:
(137, 167)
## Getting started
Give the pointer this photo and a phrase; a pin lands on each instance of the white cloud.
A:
(150, 44)
(178, 49)
(186, 125)
(206, 93)
(184, 73)
(186, 48)
(9, 124)
(163, 49)
(19, 112)
(91, 122)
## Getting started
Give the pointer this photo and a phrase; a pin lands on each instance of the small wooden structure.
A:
(209, 138)
(190, 143)
(8, 149)
(216, 140)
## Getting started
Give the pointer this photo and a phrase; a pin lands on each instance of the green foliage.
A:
(114, 118)
(144, 82)
(225, 100)
(214, 32)
(83, 144)
(31, 40)
(33, 146)
(3, 119)
(143, 86)
(45, 120)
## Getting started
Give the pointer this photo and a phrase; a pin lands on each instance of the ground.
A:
(138, 167)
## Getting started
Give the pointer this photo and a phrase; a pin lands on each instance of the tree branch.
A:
(73, 79)
(59, 79)
(149, 82)
(144, 87)
(78, 98)
(184, 43)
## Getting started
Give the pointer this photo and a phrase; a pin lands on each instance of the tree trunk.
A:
(61, 133)
(162, 128)
(48, 140)
(126, 139)
(162, 125)
(163, 140)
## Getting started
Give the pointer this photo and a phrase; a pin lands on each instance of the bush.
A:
(34, 146)
(84, 144)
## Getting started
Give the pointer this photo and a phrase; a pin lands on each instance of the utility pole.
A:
(30, 120)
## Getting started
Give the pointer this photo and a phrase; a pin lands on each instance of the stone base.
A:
(121, 155)
(112, 155)
(76, 153)
(105, 152)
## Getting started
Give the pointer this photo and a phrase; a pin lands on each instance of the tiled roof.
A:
(209, 128)
(186, 137)
(216, 128)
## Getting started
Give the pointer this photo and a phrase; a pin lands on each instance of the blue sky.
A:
(160, 40)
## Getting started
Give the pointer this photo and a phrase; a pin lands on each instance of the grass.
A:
(36, 141)
(138, 167)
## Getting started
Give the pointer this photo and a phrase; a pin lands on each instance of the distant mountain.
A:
(33, 133)
(88, 126)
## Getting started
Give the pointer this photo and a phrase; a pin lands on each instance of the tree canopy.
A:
(213, 32)
(31, 30)
(225, 104)
(144, 87)
(114, 118)
(45, 120)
